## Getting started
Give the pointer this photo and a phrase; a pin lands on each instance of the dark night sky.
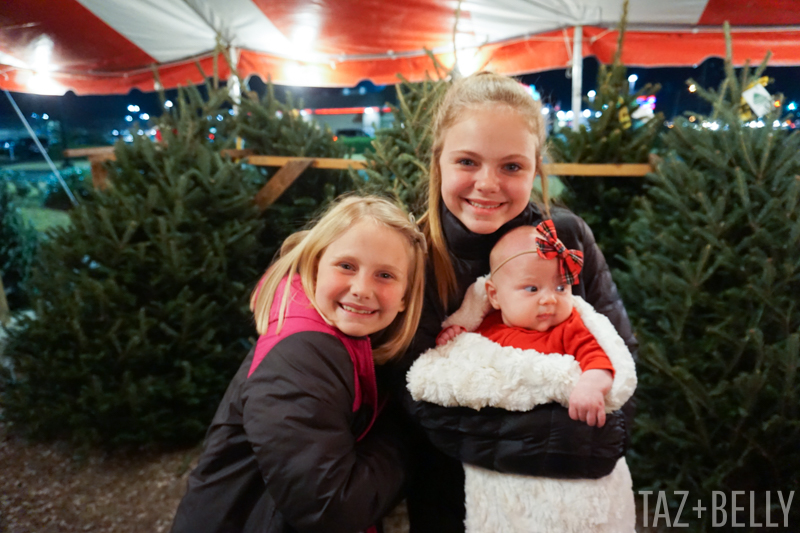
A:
(555, 87)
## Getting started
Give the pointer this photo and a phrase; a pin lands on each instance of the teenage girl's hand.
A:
(587, 401)
(449, 333)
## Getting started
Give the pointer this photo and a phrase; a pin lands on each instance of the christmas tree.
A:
(79, 183)
(610, 134)
(271, 127)
(141, 303)
(711, 280)
(400, 161)
(18, 241)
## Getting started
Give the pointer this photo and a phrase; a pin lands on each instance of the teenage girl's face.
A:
(362, 278)
(488, 164)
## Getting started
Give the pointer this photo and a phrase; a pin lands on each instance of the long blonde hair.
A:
(301, 252)
(473, 91)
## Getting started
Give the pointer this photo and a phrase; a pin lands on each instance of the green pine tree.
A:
(711, 280)
(399, 163)
(79, 183)
(141, 303)
(18, 243)
(609, 135)
(271, 127)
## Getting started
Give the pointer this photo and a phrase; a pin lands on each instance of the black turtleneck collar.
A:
(470, 246)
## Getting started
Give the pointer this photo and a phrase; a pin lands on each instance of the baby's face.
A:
(529, 293)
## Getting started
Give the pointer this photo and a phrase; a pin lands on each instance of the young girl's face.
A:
(488, 164)
(362, 278)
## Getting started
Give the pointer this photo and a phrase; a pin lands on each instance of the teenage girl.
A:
(295, 444)
(489, 135)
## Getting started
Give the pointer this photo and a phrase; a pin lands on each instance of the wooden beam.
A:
(99, 152)
(318, 162)
(106, 153)
(236, 153)
(99, 173)
(281, 181)
(599, 169)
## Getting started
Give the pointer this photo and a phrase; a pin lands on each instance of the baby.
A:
(531, 290)
(541, 345)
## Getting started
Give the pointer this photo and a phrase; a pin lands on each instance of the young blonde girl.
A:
(297, 443)
(489, 137)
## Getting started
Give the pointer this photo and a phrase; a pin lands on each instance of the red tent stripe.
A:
(751, 13)
(364, 27)
(82, 42)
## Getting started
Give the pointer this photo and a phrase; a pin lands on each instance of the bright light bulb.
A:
(42, 83)
(468, 62)
(302, 75)
(633, 78)
(42, 51)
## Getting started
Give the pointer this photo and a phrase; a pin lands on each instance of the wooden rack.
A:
(292, 167)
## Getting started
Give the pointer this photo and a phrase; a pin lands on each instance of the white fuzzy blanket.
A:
(475, 372)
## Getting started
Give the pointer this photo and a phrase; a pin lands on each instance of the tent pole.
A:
(41, 148)
(235, 87)
(577, 76)
(234, 83)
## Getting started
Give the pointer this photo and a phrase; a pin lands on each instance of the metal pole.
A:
(235, 87)
(234, 83)
(41, 148)
(577, 76)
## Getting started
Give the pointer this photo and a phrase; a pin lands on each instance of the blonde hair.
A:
(479, 89)
(301, 252)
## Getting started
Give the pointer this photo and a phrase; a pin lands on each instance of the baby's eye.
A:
(561, 288)
(531, 288)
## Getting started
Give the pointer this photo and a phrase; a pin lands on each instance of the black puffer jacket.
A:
(541, 442)
(283, 452)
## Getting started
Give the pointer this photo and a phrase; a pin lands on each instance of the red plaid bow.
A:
(550, 246)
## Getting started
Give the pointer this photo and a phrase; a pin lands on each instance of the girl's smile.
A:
(362, 278)
(488, 164)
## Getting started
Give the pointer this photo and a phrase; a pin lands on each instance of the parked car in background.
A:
(354, 138)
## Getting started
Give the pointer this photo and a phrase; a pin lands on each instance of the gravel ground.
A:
(44, 489)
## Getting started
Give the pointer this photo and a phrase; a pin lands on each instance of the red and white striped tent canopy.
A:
(112, 46)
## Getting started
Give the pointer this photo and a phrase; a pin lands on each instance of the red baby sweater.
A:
(571, 337)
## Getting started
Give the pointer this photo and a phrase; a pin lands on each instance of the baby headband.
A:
(549, 246)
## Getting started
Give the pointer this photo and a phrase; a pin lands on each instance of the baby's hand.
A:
(449, 333)
(587, 401)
